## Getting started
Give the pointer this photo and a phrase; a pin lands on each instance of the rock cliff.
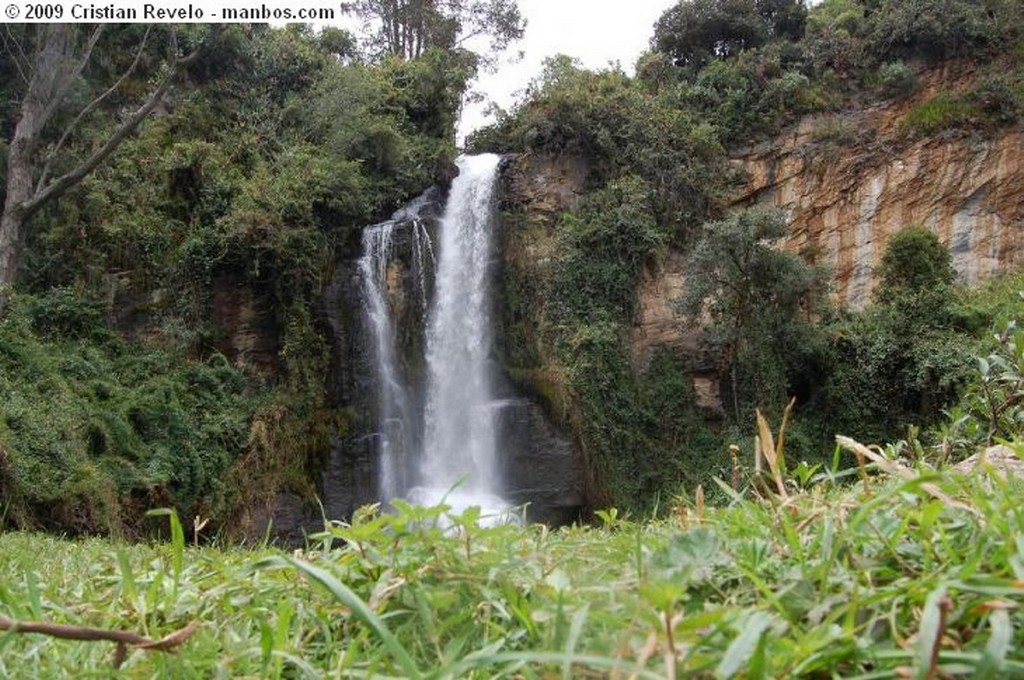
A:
(844, 201)
(849, 181)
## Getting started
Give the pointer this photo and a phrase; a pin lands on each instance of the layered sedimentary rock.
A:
(845, 203)
(848, 182)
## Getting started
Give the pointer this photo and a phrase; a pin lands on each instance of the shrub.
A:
(904, 359)
(89, 428)
(620, 128)
(915, 263)
(62, 313)
(694, 32)
(992, 406)
(896, 79)
(999, 101)
(933, 29)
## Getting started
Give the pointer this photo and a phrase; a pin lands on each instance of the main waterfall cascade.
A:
(439, 440)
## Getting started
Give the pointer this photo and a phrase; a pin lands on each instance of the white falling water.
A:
(396, 422)
(460, 433)
(450, 453)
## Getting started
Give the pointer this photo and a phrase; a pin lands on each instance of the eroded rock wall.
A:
(848, 182)
(844, 201)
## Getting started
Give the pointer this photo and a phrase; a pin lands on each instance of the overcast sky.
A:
(594, 31)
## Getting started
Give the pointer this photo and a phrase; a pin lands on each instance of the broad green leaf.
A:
(743, 648)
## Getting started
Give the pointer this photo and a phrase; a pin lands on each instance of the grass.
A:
(885, 577)
(942, 112)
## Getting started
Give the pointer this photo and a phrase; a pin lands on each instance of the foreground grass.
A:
(920, 578)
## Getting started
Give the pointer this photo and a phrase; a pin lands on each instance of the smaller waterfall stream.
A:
(397, 433)
(439, 440)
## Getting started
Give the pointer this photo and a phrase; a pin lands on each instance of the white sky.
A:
(594, 31)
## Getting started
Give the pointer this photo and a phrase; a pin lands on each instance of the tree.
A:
(904, 358)
(697, 31)
(408, 28)
(915, 263)
(935, 29)
(748, 288)
(735, 274)
(60, 54)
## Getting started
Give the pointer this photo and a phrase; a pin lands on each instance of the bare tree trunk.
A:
(53, 48)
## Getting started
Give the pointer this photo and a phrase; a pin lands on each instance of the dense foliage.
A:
(258, 168)
(249, 182)
(96, 430)
(411, 28)
(117, 393)
(723, 74)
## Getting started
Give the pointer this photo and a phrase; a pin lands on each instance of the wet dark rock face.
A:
(542, 468)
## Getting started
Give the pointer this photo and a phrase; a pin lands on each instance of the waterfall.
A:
(443, 435)
(460, 433)
(397, 438)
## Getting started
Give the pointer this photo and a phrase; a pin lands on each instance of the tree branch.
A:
(70, 179)
(45, 175)
(168, 643)
(66, 81)
(9, 38)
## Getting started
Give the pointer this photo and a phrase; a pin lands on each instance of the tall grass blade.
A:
(575, 629)
(929, 637)
(362, 611)
(177, 541)
(993, 662)
(770, 453)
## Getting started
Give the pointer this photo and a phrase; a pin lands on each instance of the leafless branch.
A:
(123, 638)
(45, 175)
(73, 177)
(68, 79)
(9, 39)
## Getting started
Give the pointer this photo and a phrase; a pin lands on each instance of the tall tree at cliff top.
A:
(695, 31)
(408, 28)
(53, 66)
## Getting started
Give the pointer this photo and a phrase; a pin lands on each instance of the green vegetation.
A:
(912, 575)
(267, 150)
(911, 570)
(724, 74)
(267, 155)
(756, 302)
(121, 387)
(991, 104)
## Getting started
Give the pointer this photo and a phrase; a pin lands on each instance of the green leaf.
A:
(993, 663)
(558, 580)
(35, 602)
(578, 620)
(662, 595)
(928, 635)
(743, 648)
(688, 555)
